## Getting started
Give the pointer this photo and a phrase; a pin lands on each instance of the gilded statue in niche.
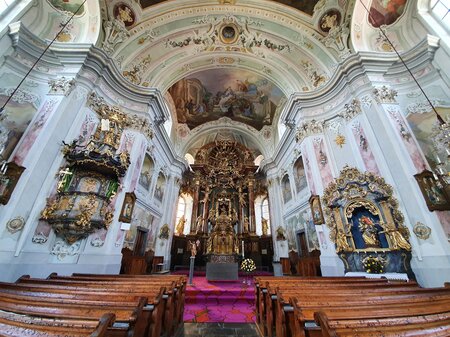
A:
(370, 218)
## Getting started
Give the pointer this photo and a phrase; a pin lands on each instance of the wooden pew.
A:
(174, 317)
(130, 320)
(266, 298)
(387, 321)
(122, 288)
(13, 325)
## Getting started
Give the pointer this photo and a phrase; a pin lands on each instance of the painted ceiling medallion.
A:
(228, 33)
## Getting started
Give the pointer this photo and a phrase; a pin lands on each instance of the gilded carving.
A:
(368, 210)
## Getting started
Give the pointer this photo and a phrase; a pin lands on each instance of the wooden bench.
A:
(13, 325)
(122, 287)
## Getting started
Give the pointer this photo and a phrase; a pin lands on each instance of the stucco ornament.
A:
(15, 224)
(422, 231)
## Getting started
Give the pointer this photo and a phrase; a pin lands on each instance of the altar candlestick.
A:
(243, 252)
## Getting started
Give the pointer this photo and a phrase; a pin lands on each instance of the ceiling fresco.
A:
(234, 93)
(306, 6)
(70, 6)
(385, 12)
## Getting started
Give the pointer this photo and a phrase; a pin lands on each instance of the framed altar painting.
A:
(316, 210)
(127, 207)
(432, 191)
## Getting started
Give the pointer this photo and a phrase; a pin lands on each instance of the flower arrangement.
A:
(248, 265)
(373, 265)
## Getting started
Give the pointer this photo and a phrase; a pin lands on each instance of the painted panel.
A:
(70, 6)
(234, 93)
(286, 189)
(145, 178)
(386, 12)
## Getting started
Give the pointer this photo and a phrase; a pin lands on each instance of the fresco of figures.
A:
(286, 189)
(13, 123)
(159, 189)
(299, 175)
(236, 94)
(386, 12)
(302, 222)
(421, 124)
(70, 6)
(141, 218)
(145, 177)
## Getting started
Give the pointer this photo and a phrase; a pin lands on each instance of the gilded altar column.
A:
(251, 206)
(195, 206)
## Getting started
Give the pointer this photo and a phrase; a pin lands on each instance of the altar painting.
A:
(145, 177)
(13, 123)
(237, 94)
(421, 125)
(385, 12)
(70, 6)
(299, 175)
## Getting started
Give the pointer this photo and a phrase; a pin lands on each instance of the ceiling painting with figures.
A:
(304, 6)
(237, 94)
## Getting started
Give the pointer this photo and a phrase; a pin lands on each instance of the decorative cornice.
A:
(384, 94)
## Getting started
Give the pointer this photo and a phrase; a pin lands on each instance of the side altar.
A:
(223, 245)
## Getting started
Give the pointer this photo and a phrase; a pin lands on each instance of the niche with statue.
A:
(366, 224)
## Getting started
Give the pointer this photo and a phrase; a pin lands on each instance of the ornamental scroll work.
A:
(363, 215)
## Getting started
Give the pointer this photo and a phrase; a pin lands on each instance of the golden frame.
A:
(432, 191)
(9, 181)
(316, 210)
(127, 207)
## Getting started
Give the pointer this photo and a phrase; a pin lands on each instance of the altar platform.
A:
(222, 268)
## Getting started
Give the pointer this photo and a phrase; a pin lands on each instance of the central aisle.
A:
(229, 302)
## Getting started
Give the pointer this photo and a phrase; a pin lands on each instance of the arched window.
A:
(440, 9)
(265, 213)
(4, 4)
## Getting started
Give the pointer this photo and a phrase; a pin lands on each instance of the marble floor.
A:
(218, 330)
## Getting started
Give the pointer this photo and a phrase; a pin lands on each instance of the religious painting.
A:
(385, 12)
(421, 124)
(144, 219)
(299, 175)
(316, 210)
(13, 123)
(160, 185)
(71, 6)
(433, 192)
(304, 6)
(12, 173)
(145, 177)
(286, 189)
(127, 207)
(148, 3)
(238, 94)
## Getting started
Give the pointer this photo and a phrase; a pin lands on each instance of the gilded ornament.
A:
(340, 140)
(422, 231)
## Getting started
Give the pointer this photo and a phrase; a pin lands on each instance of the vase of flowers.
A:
(373, 265)
(248, 266)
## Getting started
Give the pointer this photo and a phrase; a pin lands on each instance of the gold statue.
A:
(180, 225)
(246, 224)
(223, 238)
(369, 232)
(395, 237)
(193, 247)
(265, 226)
(341, 241)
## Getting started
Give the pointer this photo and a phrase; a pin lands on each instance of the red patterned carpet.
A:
(229, 302)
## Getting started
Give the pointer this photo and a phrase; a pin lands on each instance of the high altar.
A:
(222, 244)
(223, 186)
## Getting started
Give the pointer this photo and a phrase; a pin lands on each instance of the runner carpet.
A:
(229, 302)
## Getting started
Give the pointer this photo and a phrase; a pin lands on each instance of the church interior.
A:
(287, 160)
